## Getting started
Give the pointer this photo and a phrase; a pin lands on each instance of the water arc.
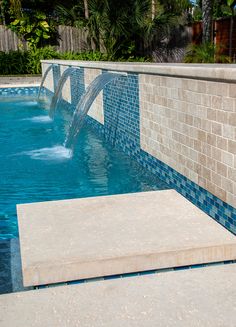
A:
(44, 78)
(57, 94)
(85, 103)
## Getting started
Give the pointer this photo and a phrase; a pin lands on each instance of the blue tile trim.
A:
(124, 133)
(210, 204)
(135, 274)
(19, 91)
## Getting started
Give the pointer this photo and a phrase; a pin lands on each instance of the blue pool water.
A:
(34, 166)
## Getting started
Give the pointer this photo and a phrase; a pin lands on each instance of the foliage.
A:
(33, 29)
(205, 53)
(13, 62)
(28, 62)
(33, 65)
(221, 8)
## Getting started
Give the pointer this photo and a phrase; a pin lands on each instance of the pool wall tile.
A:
(19, 91)
(183, 130)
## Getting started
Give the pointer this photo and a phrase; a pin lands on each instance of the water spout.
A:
(85, 103)
(57, 94)
(44, 77)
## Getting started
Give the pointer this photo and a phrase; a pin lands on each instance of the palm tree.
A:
(86, 11)
(231, 4)
(207, 6)
(15, 6)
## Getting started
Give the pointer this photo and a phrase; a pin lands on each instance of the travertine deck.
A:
(204, 297)
(82, 238)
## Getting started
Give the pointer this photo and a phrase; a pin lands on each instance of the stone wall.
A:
(191, 126)
(178, 121)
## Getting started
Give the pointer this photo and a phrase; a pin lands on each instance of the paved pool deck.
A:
(91, 237)
(203, 297)
(18, 81)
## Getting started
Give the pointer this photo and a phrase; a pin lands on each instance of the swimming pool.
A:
(36, 167)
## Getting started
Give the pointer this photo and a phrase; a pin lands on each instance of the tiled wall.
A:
(96, 110)
(183, 130)
(191, 126)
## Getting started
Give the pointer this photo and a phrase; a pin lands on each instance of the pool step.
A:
(195, 297)
(91, 237)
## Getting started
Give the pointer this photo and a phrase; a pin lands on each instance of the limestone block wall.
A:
(66, 91)
(49, 82)
(96, 110)
(178, 121)
(191, 126)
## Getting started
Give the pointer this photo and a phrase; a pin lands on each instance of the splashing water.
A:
(44, 78)
(57, 152)
(84, 105)
(57, 94)
(39, 119)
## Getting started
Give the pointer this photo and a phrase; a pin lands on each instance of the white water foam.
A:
(39, 119)
(58, 152)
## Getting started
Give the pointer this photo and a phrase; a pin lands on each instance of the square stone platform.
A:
(203, 297)
(91, 237)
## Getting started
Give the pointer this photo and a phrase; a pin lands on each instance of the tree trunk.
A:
(153, 9)
(86, 11)
(207, 20)
(2, 13)
(231, 34)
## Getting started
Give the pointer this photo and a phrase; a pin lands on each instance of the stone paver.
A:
(204, 297)
(92, 237)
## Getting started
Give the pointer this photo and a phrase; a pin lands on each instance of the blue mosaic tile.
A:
(121, 128)
(19, 91)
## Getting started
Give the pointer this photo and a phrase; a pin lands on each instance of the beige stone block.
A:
(232, 90)
(202, 158)
(216, 154)
(206, 173)
(229, 131)
(197, 122)
(232, 119)
(229, 104)
(202, 136)
(232, 174)
(211, 114)
(211, 163)
(227, 158)
(206, 125)
(221, 169)
(217, 128)
(216, 88)
(206, 100)
(222, 116)
(221, 143)
(231, 199)
(227, 185)
(210, 187)
(206, 149)
(220, 193)
(216, 179)
(202, 182)
(232, 146)
(211, 139)
(216, 102)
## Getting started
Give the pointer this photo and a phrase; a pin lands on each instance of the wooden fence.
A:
(69, 39)
(220, 34)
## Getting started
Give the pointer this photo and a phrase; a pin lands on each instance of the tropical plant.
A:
(207, 9)
(205, 53)
(70, 16)
(35, 30)
(231, 4)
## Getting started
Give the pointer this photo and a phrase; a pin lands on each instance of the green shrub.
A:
(33, 65)
(13, 62)
(28, 62)
(205, 53)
